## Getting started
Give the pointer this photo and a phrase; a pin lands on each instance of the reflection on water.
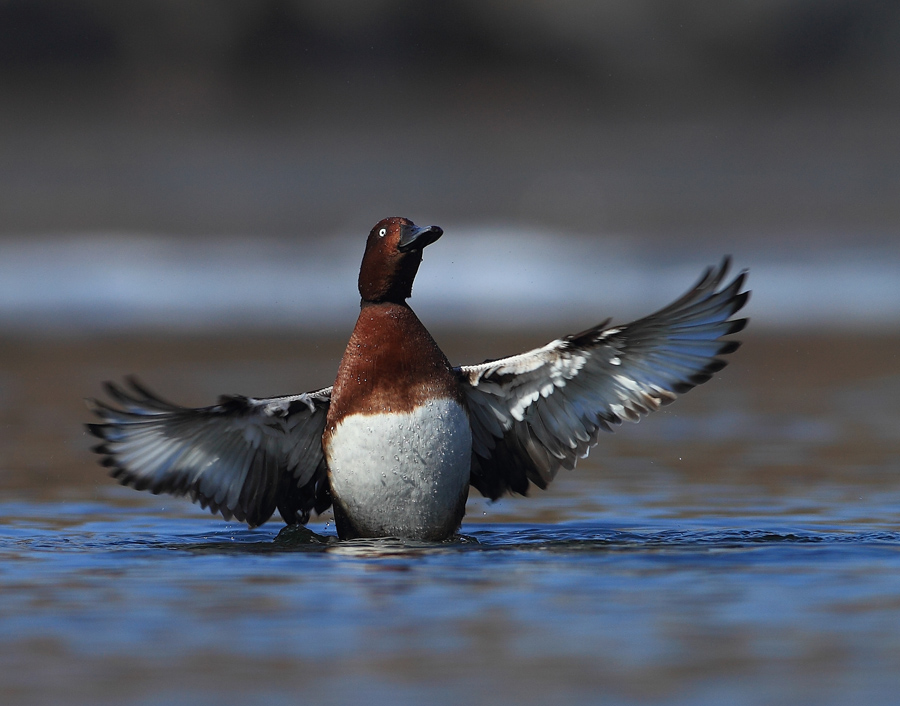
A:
(741, 547)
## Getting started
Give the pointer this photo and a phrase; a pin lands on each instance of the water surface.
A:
(741, 547)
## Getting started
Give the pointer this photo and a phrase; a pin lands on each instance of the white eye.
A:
(382, 232)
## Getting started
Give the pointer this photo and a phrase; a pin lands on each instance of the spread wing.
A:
(242, 457)
(540, 411)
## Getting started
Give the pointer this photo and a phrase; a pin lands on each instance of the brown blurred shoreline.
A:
(44, 450)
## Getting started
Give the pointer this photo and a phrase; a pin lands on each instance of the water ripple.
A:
(26, 536)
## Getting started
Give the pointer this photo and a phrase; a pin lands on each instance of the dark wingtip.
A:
(725, 265)
(117, 393)
(729, 347)
(736, 326)
(135, 384)
(98, 430)
(145, 392)
(715, 365)
(740, 300)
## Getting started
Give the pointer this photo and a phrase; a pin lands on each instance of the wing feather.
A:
(540, 411)
(242, 457)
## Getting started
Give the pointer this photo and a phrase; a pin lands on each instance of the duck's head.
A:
(393, 253)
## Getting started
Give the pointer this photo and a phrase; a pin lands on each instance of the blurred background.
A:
(185, 189)
(216, 165)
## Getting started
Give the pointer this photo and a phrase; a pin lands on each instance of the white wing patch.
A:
(540, 411)
(243, 457)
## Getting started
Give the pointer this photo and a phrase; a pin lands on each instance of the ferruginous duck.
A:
(395, 443)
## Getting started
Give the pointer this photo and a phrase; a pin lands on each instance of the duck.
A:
(394, 445)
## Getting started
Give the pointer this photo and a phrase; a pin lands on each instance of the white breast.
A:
(403, 474)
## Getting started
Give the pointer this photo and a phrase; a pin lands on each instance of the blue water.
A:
(739, 547)
(105, 604)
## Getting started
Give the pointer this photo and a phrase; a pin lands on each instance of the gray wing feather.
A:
(243, 457)
(540, 411)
